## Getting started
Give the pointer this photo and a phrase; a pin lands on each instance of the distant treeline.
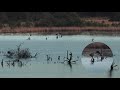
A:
(36, 19)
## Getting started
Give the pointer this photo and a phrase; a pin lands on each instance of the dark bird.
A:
(91, 54)
(92, 40)
(56, 37)
(58, 57)
(100, 54)
(111, 69)
(92, 60)
(102, 57)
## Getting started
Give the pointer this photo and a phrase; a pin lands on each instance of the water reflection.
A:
(97, 58)
(13, 63)
(70, 65)
(69, 59)
(112, 68)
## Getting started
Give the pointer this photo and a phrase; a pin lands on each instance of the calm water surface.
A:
(40, 67)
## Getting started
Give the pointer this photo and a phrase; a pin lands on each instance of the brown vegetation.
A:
(103, 20)
(63, 30)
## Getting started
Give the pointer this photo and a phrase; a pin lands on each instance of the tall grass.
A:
(63, 30)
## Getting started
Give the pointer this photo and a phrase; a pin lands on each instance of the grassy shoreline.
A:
(63, 30)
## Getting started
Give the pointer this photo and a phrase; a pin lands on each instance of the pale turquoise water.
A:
(57, 47)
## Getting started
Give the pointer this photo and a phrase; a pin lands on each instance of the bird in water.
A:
(30, 35)
(112, 69)
(28, 38)
(101, 55)
(58, 57)
(92, 60)
(93, 40)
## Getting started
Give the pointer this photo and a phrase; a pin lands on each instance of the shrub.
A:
(19, 53)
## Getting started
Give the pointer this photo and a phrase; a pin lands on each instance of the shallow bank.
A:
(63, 30)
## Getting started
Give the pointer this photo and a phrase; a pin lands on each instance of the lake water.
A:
(54, 48)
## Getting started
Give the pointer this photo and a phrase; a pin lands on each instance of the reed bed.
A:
(47, 30)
